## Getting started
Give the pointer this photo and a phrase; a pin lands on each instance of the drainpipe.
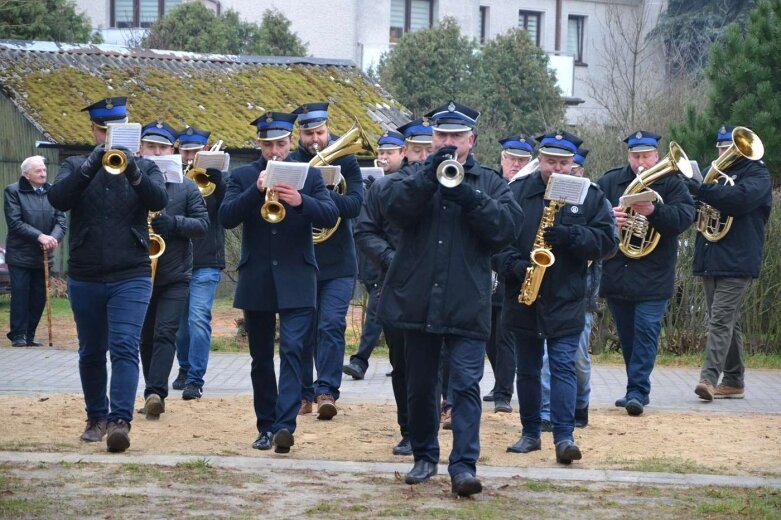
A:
(557, 47)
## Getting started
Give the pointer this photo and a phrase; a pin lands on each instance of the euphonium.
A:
(745, 143)
(353, 141)
(637, 237)
(201, 180)
(114, 161)
(272, 210)
(450, 172)
(541, 256)
(156, 242)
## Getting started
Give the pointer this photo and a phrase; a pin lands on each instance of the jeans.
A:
(158, 335)
(582, 371)
(724, 347)
(28, 299)
(276, 409)
(467, 359)
(325, 344)
(638, 325)
(561, 356)
(502, 349)
(108, 317)
(370, 335)
(193, 341)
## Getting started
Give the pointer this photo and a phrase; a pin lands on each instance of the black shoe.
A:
(465, 484)
(581, 417)
(634, 407)
(489, 397)
(354, 370)
(621, 403)
(502, 405)
(546, 426)
(525, 445)
(420, 472)
(566, 452)
(33, 343)
(263, 442)
(191, 392)
(19, 342)
(178, 383)
(283, 440)
(117, 436)
(153, 407)
(404, 447)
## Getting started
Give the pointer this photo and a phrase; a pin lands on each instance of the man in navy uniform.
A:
(728, 265)
(637, 289)
(417, 135)
(337, 268)
(438, 288)
(390, 151)
(183, 219)
(277, 274)
(109, 274)
(193, 341)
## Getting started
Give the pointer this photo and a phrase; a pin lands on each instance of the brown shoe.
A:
(306, 407)
(728, 392)
(326, 407)
(94, 431)
(154, 405)
(446, 419)
(705, 390)
(118, 438)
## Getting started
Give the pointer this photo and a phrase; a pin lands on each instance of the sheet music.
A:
(696, 173)
(374, 171)
(124, 134)
(281, 172)
(170, 165)
(332, 175)
(644, 196)
(567, 188)
(209, 159)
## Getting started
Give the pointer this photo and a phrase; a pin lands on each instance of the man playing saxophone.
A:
(728, 265)
(637, 287)
(554, 311)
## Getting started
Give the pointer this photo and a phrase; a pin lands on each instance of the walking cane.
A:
(48, 300)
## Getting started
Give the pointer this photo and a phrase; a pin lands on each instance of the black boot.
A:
(581, 417)
(421, 472)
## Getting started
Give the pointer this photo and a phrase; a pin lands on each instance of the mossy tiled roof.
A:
(50, 83)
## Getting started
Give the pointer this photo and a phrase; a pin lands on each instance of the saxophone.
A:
(156, 243)
(541, 256)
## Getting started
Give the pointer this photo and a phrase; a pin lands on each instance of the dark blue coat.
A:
(561, 305)
(209, 251)
(336, 256)
(651, 277)
(440, 278)
(277, 269)
(739, 253)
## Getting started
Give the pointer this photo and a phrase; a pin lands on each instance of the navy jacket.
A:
(277, 269)
(29, 214)
(651, 277)
(561, 305)
(439, 281)
(109, 240)
(739, 253)
(336, 256)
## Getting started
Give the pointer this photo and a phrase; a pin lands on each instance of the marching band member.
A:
(109, 274)
(337, 269)
(728, 265)
(576, 234)
(637, 289)
(438, 288)
(193, 341)
(277, 275)
(417, 135)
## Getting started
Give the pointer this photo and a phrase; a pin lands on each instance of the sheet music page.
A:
(332, 175)
(567, 188)
(696, 173)
(374, 171)
(170, 165)
(124, 134)
(281, 172)
(216, 160)
(644, 196)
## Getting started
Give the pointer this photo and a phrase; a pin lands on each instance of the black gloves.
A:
(387, 258)
(93, 163)
(443, 154)
(164, 225)
(692, 184)
(517, 269)
(557, 235)
(464, 195)
(368, 181)
(132, 173)
(214, 175)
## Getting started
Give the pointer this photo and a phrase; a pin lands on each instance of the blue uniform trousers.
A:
(582, 369)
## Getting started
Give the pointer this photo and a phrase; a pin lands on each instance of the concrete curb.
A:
(280, 463)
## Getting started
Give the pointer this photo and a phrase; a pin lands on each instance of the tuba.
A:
(637, 237)
(745, 143)
(353, 141)
(541, 256)
(156, 243)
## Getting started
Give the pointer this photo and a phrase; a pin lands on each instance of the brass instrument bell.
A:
(114, 162)
(450, 172)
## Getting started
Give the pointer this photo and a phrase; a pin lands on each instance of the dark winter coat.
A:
(209, 251)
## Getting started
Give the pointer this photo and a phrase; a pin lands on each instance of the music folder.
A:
(283, 172)
(124, 134)
(170, 165)
(208, 159)
(373, 171)
(567, 188)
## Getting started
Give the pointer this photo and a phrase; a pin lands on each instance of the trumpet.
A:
(450, 172)
(380, 163)
(201, 179)
(114, 162)
(272, 210)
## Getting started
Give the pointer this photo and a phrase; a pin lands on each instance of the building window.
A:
(529, 21)
(483, 23)
(409, 15)
(575, 27)
(139, 13)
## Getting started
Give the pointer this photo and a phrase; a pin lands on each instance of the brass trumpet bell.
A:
(450, 172)
(272, 210)
(114, 162)
(201, 180)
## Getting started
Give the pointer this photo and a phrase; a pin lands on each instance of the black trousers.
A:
(397, 351)
(501, 354)
(28, 299)
(158, 335)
